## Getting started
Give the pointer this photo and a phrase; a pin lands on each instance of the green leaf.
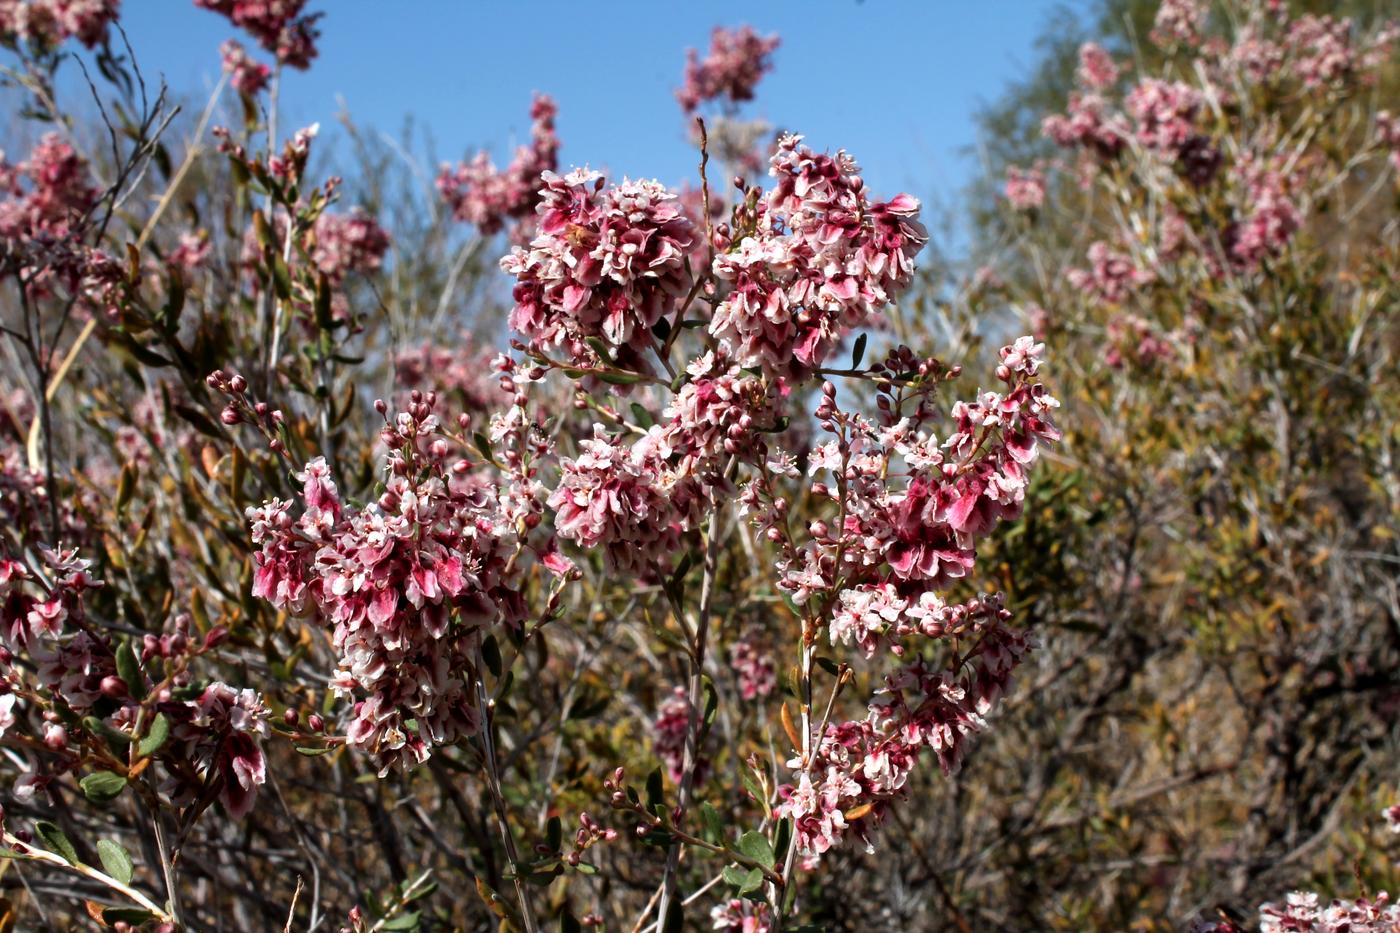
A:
(132, 915)
(654, 788)
(314, 752)
(714, 825)
(102, 786)
(491, 654)
(858, 353)
(642, 416)
(621, 378)
(129, 671)
(115, 860)
(281, 278)
(56, 842)
(784, 839)
(155, 738)
(600, 348)
(711, 702)
(757, 847)
(554, 834)
(743, 881)
(405, 921)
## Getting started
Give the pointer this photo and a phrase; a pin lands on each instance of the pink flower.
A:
(223, 730)
(738, 59)
(1164, 113)
(628, 501)
(1086, 124)
(1179, 21)
(822, 259)
(346, 243)
(1097, 70)
(1112, 276)
(280, 26)
(669, 732)
(245, 74)
(406, 584)
(486, 197)
(755, 668)
(1271, 217)
(1025, 188)
(608, 262)
(49, 22)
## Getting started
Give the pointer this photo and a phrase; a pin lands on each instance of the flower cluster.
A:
(1271, 216)
(460, 372)
(816, 258)
(721, 412)
(346, 243)
(1303, 912)
(901, 539)
(223, 728)
(738, 59)
(628, 500)
(669, 730)
(1131, 339)
(741, 916)
(246, 74)
(609, 262)
(280, 26)
(1025, 188)
(859, 767)
(487, 197)
(47, 196)
(1097, 70)
(1112, 276)
(1179, 21)
(1165, 113)
(755, 669)
(1087, 123)
(407, 583)
(50, 22)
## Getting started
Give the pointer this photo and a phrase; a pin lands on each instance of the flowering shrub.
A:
(620, 552)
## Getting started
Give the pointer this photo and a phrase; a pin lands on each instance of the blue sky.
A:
(896, 82)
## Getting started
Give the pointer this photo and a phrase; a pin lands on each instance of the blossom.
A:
(1303, 911)
(755, 668)
(823, 259)
(609, 262)
(1179, 21)
(1096, 70)
(1164, 112)
(738, 59)
(1112, 276)
(669, 731)
(58, 197)
(280, 26)
(247, 75)
(721, 412)
(223, 729)
(626, 500)
(1270, 215)
(741, 916)
(50, 22)
(345, 243)
(1025, 188)
(1086, 123)
(406, 583)
(486, 197)
(859, 767)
